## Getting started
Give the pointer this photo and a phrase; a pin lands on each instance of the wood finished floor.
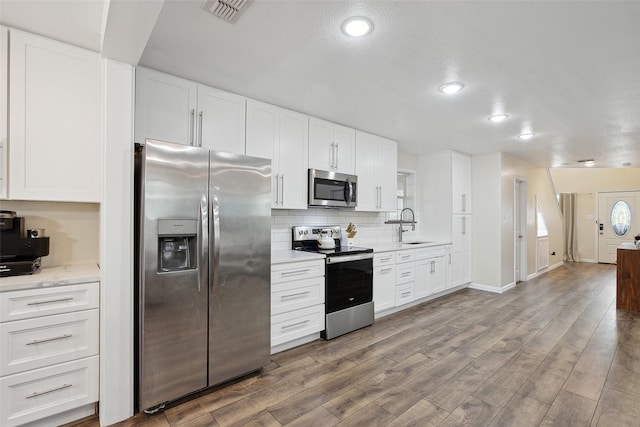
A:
(554, 351)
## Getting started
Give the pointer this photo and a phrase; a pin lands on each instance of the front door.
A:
(618, 222)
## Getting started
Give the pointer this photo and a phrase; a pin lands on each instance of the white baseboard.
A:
(494, 289)
(544, 270)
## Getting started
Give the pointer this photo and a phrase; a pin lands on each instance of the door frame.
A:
(520, 207)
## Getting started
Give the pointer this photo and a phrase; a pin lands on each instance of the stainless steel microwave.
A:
(332, 189)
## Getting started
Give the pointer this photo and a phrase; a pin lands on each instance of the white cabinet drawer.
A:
(290, 296)
(17, 305)
(35, 343)
(404, 256)
(404, 273)
(404, 294)
(384, 258)
(36, 394)
(296, 324)
(296, 271)
(425, 253)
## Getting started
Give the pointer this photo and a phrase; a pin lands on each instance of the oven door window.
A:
(349, 284)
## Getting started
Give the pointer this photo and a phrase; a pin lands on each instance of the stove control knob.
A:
(300, 232)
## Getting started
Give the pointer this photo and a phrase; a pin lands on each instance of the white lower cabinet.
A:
(297, 301)
(49, 360)
(403, 276)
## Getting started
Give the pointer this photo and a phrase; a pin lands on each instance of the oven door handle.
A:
(347, 258)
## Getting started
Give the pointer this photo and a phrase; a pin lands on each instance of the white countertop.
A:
(279, 257)
(52, 276)
(397, 246)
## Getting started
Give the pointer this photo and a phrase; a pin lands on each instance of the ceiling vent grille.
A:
(225, 9)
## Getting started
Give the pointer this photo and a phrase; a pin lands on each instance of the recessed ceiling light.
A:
(589, 163)
(496, 118)
(451, 87)
(526, 135)
(357, 26)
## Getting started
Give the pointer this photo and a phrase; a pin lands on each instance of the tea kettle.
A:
(325, 241)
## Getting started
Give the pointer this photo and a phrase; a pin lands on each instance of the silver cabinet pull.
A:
(200, 130)
(464, 225)
(464, 203)
(333, 155)
(277, 190)
(304, 322)
(408, 273)
(294, 273)
(299, 294)
(337, 152)
(36, 394)
(192, 125)
(406, 294)
(50, 301)
(61, 337)
(449, 258)
(385, 270)
(282, 191)
(433, 267)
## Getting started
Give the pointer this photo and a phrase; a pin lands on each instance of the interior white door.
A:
(618, 222)
(517, 232)
(520, 231)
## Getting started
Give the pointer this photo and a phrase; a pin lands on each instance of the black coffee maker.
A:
(20, 252)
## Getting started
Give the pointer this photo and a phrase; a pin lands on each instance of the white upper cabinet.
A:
(165, 107)
(54, 121)
(460, 183)
(173, 109)
(376, 168)
(331, 147)
(282, 136)
(4, 78)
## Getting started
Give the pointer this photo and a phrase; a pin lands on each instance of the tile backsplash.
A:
(372, 230)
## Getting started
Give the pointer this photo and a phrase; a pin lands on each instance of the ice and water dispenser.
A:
(177, 243)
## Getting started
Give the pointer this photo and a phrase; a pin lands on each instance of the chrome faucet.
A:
(412, 222)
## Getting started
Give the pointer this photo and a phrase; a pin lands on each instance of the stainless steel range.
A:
(348, 279)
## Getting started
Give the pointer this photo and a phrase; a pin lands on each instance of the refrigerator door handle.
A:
(214, 260)
(203, 236)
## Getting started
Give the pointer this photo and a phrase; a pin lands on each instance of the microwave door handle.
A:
(348, 192)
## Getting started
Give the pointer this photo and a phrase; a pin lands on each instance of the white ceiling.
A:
(568, 71)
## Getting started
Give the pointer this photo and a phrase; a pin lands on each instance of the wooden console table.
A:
(628, 280)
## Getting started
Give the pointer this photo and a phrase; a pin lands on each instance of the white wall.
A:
(72, 229)
(485, 243)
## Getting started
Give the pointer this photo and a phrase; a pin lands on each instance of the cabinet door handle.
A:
(336, 157)
(406, 294)
(192, 125)
(200, 130)
(282, 191)
(294, 273)
(332, 155)
(433, 267)
(61, 337)
(405, 274)
(464, 203)
(385, 270)
(304, 322)
(277, 190)
(464, 225)
(298, 294)
(36, 394)
(449, 258)
(50, 301)
(380, 198)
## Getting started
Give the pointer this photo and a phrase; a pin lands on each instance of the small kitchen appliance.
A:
(348, 279)
(332, 189)
(20, 252)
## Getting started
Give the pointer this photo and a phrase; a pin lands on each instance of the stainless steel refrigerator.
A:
(203, 221)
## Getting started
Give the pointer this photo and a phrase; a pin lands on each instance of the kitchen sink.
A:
(415, 243)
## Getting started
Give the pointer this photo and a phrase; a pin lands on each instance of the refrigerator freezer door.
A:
(240, 265)
(172, 337)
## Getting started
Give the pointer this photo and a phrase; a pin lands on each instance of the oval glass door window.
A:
(620, 218)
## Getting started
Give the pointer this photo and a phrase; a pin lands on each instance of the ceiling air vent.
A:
(225, 9)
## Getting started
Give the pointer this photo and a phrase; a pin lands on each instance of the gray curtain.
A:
(568, 208)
